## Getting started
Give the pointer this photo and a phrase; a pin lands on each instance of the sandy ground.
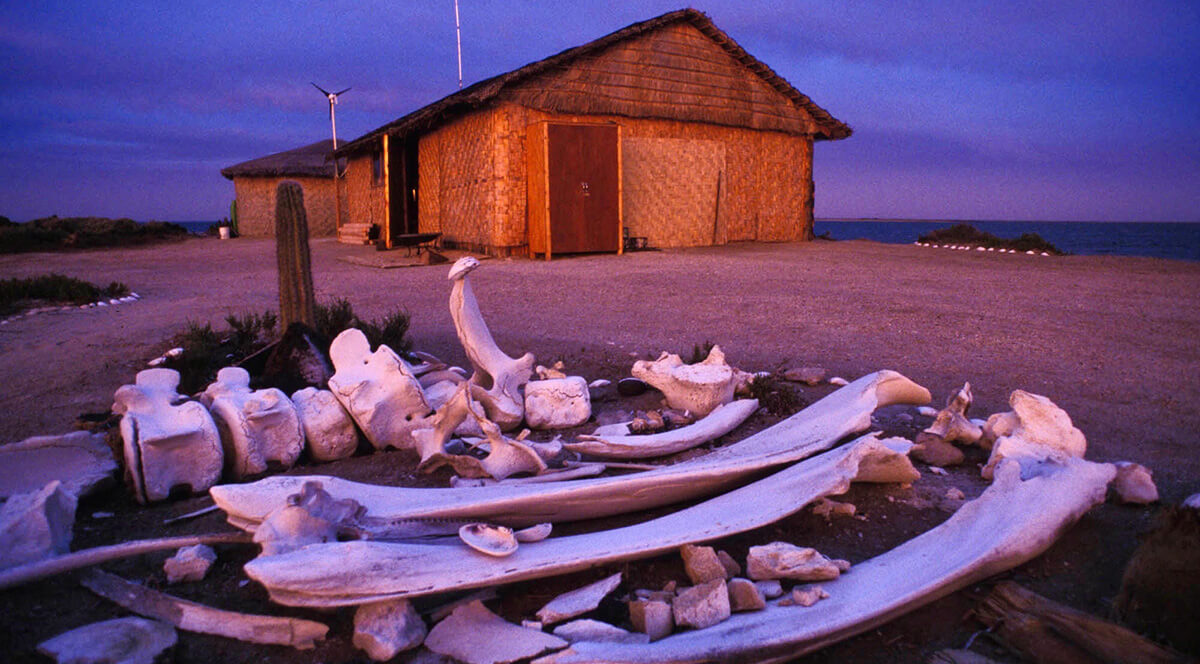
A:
(1113, 340)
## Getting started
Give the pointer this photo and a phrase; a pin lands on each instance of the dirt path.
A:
(1111, 340)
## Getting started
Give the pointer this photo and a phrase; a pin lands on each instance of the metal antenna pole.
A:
(458, 37)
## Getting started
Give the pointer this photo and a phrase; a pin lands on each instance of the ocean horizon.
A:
(1158, 239)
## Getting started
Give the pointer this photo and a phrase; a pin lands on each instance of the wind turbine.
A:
(332, 97)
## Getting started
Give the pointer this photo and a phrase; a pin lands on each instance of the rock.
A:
(169, 441)
(559, 403)
(384, 629)
(839, 381)
(1134, 484)
(190, 563)
(927, 411)
(697, 388)
(780, 560)
(805, 596)
(298, 360)
(575, 602)
(770, 588)
(379, 391)
(36, 525)
(677, 418)
(936, 452)
(598, 383)
(120, 641)
(732, 569)
(937, 470)
(647, 422)
(701, 563)
(594, 630)
(475, 635)
(954, 493)
(631, 387)
(1160, 588)
(652, 618)
(80, 460)
(329, 431)
(831, 508)
(842, 565)
(744, 595)
(667, 596)
(806, 375)
(260, 429)
(703, 605)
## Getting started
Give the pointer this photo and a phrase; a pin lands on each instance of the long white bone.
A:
(816, 428)
(498, 378)
(719, 422)
(344, 573)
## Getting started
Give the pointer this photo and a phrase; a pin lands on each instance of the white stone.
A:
(190, 563)
(329, 430)
(1134, 484)
(475, 635)
(121, 641)
(839, 381)
(259, 428)
(781, 560)
(927, 411)
(702, 606)
(384, 629)
(169, 441)
(378, 389)
(36, 525)
(600, 382)
(581, 600)
(80, 460)
(1043, 431)
(698, 388)
(557, 403)
(594, 630)
(770, 588)
(1192, 502)
(498, 378)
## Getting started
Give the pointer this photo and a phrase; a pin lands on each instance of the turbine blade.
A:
(338, 93)
(323, 90)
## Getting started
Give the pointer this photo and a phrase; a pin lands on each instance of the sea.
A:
(1178, 240)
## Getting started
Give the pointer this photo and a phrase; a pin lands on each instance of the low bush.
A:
(967, 234)
(55, 233)
(18, 294)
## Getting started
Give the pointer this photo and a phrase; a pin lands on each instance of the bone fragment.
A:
(745, 596)
(169, 441)
(652, 618)
(951, 424)
(329, 431)
(1134, 484)
(475, 635)
(385, 629)
(121, 641)
(259, 428)
(813, 429)
(838, 381)
(698, 388)
(190, 563)
(378, 389)
(1013, 521)
(534, 533)
(702, 605)
(1042, 431)
(342, 573)
(594, 630)
(16, 576)
(550, 372)
(498, 378)
(578, 601)
(80, 460)
(505, 456)
(193, 617)
(780, 560)
(496, 541)
(36, 525)
(557, 403)
(719, 422)
(310, 517)
(431, 442)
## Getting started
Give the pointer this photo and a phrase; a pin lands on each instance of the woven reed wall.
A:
(676, 72)
(670, 189)
(365, 202)
(256, 205)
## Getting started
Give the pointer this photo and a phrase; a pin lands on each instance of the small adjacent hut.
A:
(255, 181)
(665, 130)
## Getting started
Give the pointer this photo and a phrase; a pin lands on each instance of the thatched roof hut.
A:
(255, 181)
(698, 143)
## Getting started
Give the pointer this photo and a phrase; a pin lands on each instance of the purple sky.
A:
(967, 109)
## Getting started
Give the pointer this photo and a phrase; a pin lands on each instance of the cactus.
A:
(291, 256)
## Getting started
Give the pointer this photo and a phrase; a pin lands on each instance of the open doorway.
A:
(403, 186)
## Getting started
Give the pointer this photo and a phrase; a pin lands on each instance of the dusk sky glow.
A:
(1065, 110)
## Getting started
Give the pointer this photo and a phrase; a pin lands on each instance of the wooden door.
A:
(584, 188)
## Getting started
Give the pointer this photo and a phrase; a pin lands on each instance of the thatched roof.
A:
(515, 85)
(308, 161)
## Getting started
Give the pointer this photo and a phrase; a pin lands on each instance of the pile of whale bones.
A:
(328, 542)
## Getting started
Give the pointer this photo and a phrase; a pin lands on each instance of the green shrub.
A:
(700, 352)
(334, 317)
(250, 333)
(203, 355)
(777, 396)
(15, 294)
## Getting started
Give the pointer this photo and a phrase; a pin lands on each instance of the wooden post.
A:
(292, 257)
(387, 197)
